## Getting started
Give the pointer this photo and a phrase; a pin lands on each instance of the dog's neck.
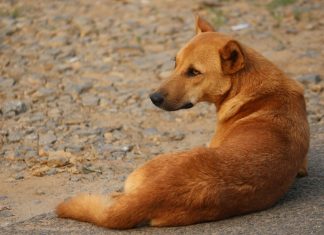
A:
(247, 87)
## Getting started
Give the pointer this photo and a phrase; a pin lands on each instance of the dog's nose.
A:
(157, 98)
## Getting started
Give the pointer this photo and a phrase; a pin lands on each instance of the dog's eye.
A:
(193, 72)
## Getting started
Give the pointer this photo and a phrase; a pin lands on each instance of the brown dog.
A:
(259, 147)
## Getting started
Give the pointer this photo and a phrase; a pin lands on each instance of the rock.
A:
(177, 136)
(309, 78)
(51, 171)
(14, 107)
(6, 213)
(6, 83)
(3, 197)
(14, 136)
(43, 92)
(73, 119)
(88, 131)
(58, 158)
(35, 202)
(48, 138)
(90, 100)
(40, 171)
(19, 176)
(37, 117)
(78, 88)
(118, 155)
(74, 148)
(240, 26)
(291, 31)
(88, 168)
(150, 132)
(127, 148)
(39, 192)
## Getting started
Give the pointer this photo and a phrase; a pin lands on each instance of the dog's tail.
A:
(120, 212)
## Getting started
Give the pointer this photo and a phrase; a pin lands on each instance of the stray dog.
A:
(259, 147)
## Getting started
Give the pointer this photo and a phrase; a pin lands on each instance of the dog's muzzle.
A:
(159, 100)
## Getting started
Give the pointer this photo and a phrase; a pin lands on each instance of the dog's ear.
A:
(202, 25)
(232, 57)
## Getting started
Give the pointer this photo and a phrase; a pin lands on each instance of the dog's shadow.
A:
(308, 188)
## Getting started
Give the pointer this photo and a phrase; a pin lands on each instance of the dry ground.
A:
(74, 83)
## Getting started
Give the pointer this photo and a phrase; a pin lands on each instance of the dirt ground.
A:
(75, 78)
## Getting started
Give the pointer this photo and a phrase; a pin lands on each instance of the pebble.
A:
(6, 213)
(58, 158)
(48, 138)
(51, 171)
(74, 148)
(13, 107)
(14, 136)
(19, 176)
(6, 83)
(309, 78)
(3, 197)
(90, 100)
(78, 88)
(43, 92)
(39, 192)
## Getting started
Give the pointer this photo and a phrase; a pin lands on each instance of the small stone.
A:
(291, 31)
(75, 118)
(6, 213)
(37, 202)
(90, 100)
(150, 132)
(78, 88)
(58, 158)
(316, 88)
(41, 171)
(88, 168)
(39, 192)
(74, 148)
(127, 148)
(6, 83)
(109, 137)
(118, 155)
(51, 171)
(37, 117)
(177, 136)
(19, 176)
(14, 136)
(14, 107)
(3, 197)
(48, 138)
(309, 78)
(43, 92)
(88, 131)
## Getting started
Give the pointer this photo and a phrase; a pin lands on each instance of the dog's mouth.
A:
(187, 106)
(170, 108)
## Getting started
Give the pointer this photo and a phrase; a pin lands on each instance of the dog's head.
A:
(203, 69)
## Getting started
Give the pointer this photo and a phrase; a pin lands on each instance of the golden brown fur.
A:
(259, 146)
